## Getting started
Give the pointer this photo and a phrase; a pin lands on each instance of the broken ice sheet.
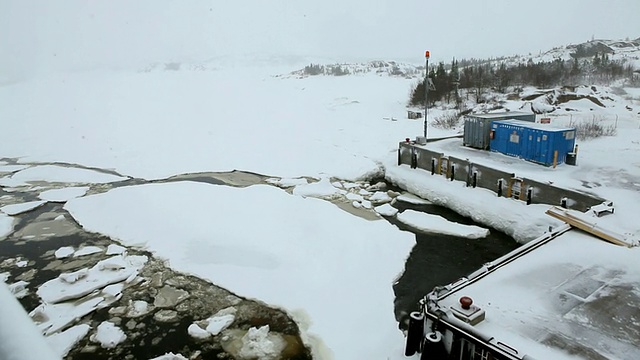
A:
(114, 249)
(53, 317)
(63, 342)
(87, 250)
(17, 209)
(19, 289)
(64, 252)
(105, 272)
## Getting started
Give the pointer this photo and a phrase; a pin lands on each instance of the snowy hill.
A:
(627, 51)
(379, 67)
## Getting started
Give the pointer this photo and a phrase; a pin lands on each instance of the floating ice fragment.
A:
(87, 250)
(386, 210)
(114, 249)
(108, 335)
(197, 332)
(64, 252)
(64, 341)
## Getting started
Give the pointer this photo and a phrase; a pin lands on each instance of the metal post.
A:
(426, 93)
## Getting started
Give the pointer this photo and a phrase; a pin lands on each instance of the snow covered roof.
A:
(500, 114)
(575, 295)
(531, 125)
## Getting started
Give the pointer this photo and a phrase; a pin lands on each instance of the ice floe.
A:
(8, 182)
(65, 194)
(64, 341)
(62, 174)
(114, 249)
(380, 197)
(54, 317)
(19, 289)
(17, 209)
(197, 332)
(258, 343)
(64, 252)
(138, 308)
(87, 250)
(320, 189)
(170, 356)
(430, 223)
(105, 272)
(219, 323)
(12, 168)
(6, 225)
(413, 199)
(288, 182)
(386, 210)
(108, 335)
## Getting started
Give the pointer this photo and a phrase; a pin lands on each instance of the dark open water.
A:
(440, 260)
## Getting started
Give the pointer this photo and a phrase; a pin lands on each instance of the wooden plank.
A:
(604, 234)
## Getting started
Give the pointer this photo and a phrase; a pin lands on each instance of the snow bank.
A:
(265, 247)
(61, 195)
(514, 218)
(436, 224)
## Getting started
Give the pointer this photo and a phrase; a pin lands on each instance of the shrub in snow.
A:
(593, 129)
(448, 120)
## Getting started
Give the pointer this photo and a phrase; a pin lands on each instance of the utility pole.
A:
(426, 93)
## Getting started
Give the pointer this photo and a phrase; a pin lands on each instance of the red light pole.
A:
(426, 92)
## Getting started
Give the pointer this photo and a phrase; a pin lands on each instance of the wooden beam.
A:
(577, 222)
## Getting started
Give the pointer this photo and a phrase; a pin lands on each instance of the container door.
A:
(536, 146)
(545, 148)
(514, 142)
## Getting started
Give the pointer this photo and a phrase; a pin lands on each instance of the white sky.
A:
(40, 35)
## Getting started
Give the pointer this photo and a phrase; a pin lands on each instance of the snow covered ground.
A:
(330, 270)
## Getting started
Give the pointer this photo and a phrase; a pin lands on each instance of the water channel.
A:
(435, 260)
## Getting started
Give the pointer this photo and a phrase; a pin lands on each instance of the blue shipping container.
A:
(531, 141)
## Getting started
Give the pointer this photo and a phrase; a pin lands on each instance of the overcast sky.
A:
(41, 36)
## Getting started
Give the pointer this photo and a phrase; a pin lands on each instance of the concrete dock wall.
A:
(502, 183)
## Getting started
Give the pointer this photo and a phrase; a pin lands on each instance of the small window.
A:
(570, 135)
(514, 138)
